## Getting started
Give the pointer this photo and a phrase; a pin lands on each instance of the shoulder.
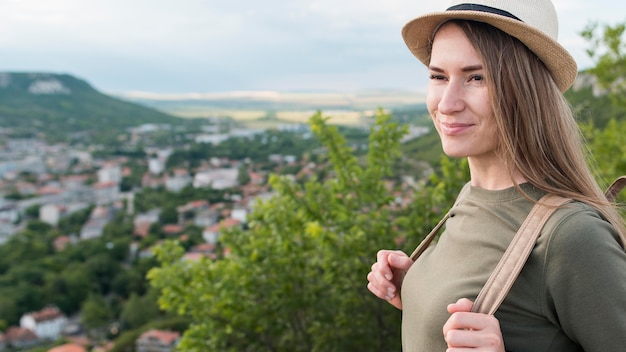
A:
(579, 244)
(584, 276)
(579, 227)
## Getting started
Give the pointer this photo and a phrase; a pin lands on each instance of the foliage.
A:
(295, 280)
(80, 112)
(95, 312)
(606, 132)
(139, 311)
(608, 49)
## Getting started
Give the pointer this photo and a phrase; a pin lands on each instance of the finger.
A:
(382, 263)
(380, 286)
(462, 305)
(399, 260)
(461, 339)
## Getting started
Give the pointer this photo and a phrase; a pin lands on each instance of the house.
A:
(61, 242)
(74, 181)
(106, 192)
(49, 190)
(68, 347)
(104, 348)
(46, 323)
(191, 209)
(9, 212)
(142, 229)
(20, 338)
(221, 178)
(157, 341)
(178, 180)
(212, 233)
(52, 213)
(203, 250)
(110, 172)
(155, 166)
(172, 229)
(240, 214)
(100, 216)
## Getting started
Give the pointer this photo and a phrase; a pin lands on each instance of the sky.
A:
(184, 46)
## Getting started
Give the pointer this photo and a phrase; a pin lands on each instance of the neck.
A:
(493, 175)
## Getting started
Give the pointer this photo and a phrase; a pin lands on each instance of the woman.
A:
(495, 96)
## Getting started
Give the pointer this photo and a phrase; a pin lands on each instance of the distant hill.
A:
(57, 105)
(224, 103)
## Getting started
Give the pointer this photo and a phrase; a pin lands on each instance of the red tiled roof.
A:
(142, 229)
(47, 190)
(15, 334)
(68, 347)
(102, 185)
(48, 313)
(194, 257)
(166, 337)
(172, 229)
(204, 247)
(225, 224)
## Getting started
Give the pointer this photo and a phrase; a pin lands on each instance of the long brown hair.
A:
(538, 133)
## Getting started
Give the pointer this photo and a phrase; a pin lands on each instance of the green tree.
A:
(608, 50)
(295, 280)
(95, 312)
(139, 311)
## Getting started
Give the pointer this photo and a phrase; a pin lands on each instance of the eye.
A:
(478, 78)
(437, 77)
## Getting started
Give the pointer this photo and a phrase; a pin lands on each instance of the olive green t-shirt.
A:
(570, 295)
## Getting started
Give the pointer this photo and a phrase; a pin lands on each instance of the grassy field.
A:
(270, 109)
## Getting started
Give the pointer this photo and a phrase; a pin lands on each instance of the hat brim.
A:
(418, 34)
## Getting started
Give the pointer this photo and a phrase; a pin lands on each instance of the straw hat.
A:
(533, 22)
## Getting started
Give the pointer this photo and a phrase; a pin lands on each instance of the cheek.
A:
(432, 101)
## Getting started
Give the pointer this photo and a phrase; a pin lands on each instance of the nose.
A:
(451, 99)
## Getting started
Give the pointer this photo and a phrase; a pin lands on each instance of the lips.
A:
(454, 128)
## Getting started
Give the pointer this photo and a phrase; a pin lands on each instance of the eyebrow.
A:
(464, 69)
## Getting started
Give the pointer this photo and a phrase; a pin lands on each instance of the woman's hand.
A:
(385, 279)
(466, 331)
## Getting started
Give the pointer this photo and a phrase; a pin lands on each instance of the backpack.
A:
(510, 265)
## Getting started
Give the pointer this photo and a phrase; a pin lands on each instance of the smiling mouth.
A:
(454, 128)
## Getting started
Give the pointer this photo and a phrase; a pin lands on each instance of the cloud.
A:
(187, 45)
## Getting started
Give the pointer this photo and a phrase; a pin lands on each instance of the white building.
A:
(46, 323)
(52, 213)
(110, 172)
(155, 166)
(217, 178)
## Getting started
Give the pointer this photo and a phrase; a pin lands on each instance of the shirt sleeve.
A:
(585, 281)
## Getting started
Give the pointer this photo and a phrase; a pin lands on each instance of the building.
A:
(20, 338)
(178, 180)
(46, 323)
(52, 213)
(110, 172)
(68, 347)
(222, 178)
(106, 192)
(212, 233)
(157, 341)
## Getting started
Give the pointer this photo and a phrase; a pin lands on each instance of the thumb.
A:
(462, 305)
(401, 262)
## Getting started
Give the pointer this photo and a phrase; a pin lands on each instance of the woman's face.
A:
(458, 98)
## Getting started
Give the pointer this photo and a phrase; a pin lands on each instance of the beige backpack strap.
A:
(502, 278)
(429, 238)
(615, 188)
(433, 233)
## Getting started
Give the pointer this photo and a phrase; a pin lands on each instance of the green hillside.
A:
(57, 105)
